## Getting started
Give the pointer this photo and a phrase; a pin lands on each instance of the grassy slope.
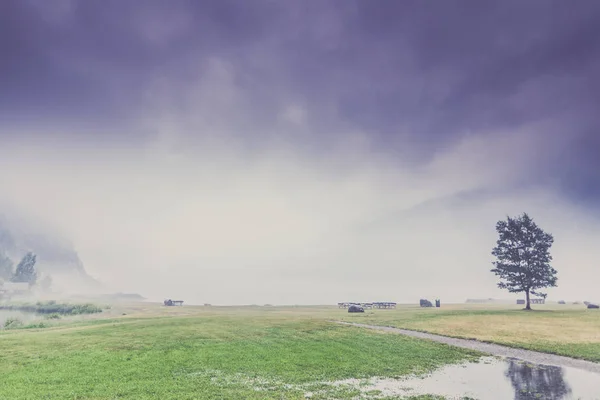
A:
(565, 330)
(215, 354)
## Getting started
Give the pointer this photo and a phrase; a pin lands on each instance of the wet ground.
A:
(512, 374)
(491, 379)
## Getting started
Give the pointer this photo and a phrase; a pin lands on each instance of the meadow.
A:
(568, 330)
(147, 351)
(208, 353)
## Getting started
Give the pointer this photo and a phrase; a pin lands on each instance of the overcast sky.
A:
(302, 152)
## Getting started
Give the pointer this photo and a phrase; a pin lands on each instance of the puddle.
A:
(489, 379)
(492, 379)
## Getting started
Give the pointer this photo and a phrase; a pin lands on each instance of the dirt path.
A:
(533, 357)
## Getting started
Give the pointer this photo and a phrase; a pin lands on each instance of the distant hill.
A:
(55, 256)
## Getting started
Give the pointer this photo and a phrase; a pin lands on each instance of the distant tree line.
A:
(52, 307)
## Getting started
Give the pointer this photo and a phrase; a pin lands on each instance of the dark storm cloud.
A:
(432, 71)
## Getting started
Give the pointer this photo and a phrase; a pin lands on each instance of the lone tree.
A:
(25, 271)
(523, 257)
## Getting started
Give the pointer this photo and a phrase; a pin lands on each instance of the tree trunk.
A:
(528, 306)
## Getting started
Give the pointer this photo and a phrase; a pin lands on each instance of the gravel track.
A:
(533, 357)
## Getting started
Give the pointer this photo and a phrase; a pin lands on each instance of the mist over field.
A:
(211, 226)
(236, 172)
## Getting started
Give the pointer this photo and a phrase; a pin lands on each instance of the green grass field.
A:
(147, 351)
(192, 353)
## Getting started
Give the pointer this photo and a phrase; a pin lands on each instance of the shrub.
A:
(12, 323)
(36, 325)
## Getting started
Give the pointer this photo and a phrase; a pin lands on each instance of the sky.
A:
(304, 152)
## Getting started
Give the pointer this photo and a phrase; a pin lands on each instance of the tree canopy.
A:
(523, 257)
(25, 271)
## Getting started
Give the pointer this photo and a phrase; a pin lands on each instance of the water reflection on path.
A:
(544, 382)
(490, 379)
(500, 379)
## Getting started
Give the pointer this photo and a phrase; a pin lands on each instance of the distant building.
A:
(9, 289)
